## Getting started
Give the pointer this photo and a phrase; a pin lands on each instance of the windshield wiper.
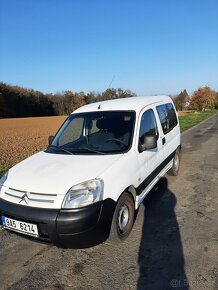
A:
(62, 149)
(93, 150)
(86, 149)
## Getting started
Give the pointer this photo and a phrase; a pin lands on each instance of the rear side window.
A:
(171, 116)
(167, 116)
(148, 125)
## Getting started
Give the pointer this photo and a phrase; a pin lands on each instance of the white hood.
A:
(57, 173)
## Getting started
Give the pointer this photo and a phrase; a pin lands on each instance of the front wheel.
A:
(176, 162)
(123, 218)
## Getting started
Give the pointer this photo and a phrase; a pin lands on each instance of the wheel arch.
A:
(132, 191)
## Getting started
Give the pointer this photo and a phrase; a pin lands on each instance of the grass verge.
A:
(191, 119)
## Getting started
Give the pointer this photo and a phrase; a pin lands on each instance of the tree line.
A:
(16, 101)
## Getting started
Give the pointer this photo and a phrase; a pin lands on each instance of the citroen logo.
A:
(24, 198)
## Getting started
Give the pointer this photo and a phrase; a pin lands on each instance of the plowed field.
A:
(20, 138)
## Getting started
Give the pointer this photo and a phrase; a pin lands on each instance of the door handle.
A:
(163, 140)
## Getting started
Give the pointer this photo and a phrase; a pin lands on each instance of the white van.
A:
(89, 182)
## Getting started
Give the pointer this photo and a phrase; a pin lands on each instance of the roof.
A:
(132, 103)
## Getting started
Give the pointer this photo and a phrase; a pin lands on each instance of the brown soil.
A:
(20, 138)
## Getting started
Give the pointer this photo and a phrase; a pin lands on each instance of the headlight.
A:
(3, 179)
(83, 194)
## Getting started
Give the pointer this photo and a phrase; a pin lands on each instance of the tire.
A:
(123, 218)
(176, 162)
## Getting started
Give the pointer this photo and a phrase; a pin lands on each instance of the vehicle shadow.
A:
(161, 259)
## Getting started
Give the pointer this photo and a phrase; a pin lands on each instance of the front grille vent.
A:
(30, 198)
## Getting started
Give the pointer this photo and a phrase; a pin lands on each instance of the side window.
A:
(167, 116)
(148, 126)
(171, 116)
(162, 113)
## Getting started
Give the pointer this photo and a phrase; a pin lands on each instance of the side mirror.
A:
(149, 142)
(50, 139)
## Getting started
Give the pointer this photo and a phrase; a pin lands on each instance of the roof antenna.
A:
(111, 81)
(99, 107)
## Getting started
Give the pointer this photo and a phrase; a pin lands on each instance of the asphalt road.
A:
(173, 245)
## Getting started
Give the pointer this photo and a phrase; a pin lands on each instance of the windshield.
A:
(95, 133)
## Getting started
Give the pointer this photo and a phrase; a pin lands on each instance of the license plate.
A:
(21, 227)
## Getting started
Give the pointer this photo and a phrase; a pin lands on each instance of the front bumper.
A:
(68, 228)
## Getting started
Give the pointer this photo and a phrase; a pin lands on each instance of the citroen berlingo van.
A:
(96, 171)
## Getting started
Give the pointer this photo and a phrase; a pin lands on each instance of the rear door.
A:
(170, 131)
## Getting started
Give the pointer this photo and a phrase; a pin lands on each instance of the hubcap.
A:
(123, 217)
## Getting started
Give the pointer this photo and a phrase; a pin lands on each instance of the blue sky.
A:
(148, 46)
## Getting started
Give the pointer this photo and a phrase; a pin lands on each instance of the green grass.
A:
(191, 119)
